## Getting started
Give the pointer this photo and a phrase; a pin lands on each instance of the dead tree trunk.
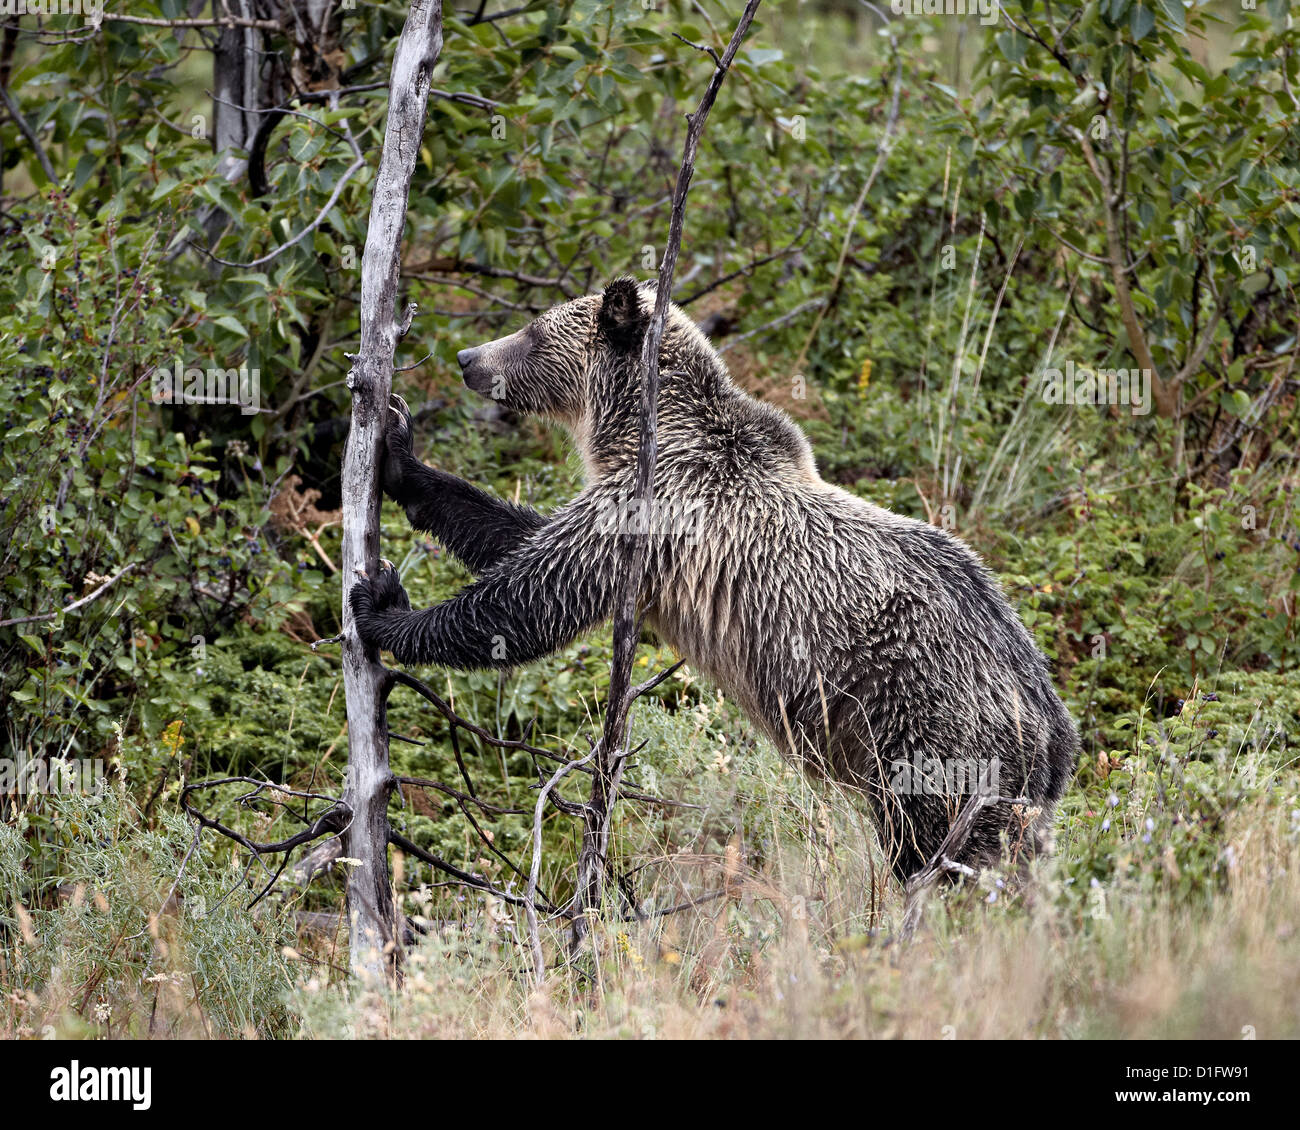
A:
(611, 753)
(239, 90)
(374, 936)
(255, 75)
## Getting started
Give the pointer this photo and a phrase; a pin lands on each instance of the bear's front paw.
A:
(399, 449)
(371, 598)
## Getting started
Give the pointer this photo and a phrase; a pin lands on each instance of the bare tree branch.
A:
(75, 604)
(24, 127)
(222, 21)
(610, 755)
(775, 323)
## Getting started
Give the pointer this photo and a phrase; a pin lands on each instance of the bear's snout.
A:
(472, 374)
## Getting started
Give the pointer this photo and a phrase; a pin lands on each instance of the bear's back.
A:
(809, 604)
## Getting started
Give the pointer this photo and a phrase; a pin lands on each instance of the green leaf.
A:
(1141, 22)
(35, 643)
(229, 323)
(166, 186)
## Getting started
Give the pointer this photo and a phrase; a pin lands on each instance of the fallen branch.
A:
(942, 863)
(530, 896)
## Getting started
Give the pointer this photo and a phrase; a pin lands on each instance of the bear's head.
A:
(549, 366)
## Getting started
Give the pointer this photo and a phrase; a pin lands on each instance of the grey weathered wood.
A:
(237, 92)
(373, 931)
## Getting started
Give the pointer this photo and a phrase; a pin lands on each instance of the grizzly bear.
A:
(873, 648)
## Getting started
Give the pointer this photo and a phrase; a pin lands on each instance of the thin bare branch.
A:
(24, 127)
(610, 756)
(76, 604)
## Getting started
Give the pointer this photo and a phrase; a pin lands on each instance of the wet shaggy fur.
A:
(873, 648)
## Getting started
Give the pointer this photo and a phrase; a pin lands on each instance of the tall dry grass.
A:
(1170, 908)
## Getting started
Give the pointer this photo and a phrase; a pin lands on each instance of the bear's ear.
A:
(621, 317)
